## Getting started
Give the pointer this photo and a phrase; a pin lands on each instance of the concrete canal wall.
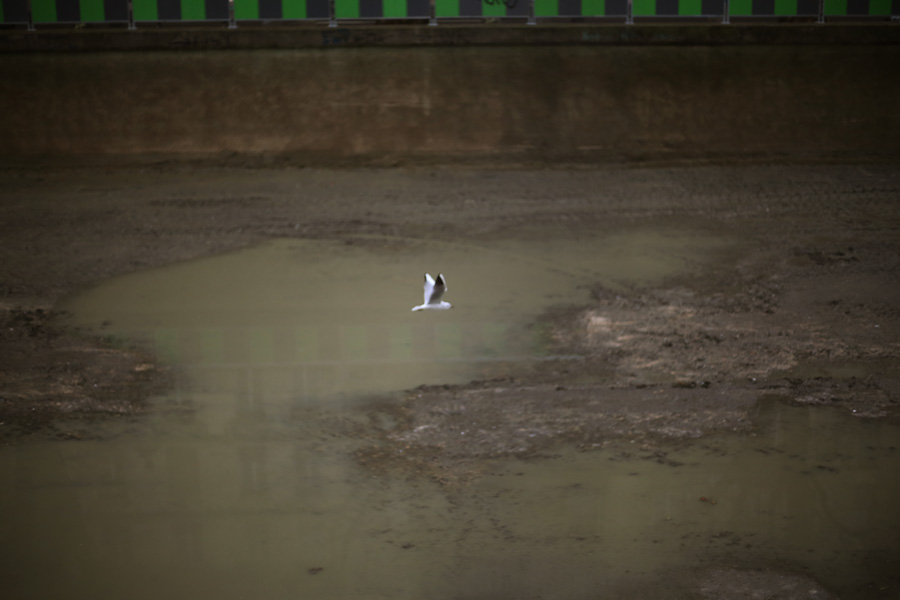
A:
(412, 94)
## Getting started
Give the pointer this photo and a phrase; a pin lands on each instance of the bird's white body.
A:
(434, 291)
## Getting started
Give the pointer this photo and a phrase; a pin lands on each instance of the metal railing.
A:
(133, 13)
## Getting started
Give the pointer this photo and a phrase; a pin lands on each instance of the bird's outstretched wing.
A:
(429, 288)
(436, 287)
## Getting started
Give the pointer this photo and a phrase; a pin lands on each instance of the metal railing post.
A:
(432, 14)
(725, 9)
(531, 20)
(629, 14)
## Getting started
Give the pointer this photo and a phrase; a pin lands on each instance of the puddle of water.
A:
(245, 494)
(812, 490)
(311, 319)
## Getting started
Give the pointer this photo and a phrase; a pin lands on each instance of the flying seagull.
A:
(434, 291)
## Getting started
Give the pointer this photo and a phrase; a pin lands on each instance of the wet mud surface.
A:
(54, 378)
(801, 306)
(676, 362)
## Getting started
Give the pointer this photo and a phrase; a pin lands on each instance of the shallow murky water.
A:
(232, 488)
(812, 491)
(293, 320)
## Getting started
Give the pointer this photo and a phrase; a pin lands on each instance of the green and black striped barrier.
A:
(111, 11)
(580, 8)
(381, 9)
(773, 8)
(281, 10)
(270, 10)
(861, 8)
(180, 10)
(678, 8)
(811, 8)
(481, 8)
(40, 12)
(64, 11)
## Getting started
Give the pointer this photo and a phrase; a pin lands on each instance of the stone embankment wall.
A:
(506, 93)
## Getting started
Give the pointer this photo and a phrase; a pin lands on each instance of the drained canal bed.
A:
(289, 462)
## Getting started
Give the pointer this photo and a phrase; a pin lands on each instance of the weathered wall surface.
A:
(506, 102)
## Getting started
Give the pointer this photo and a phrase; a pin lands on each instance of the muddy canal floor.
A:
(802, 304)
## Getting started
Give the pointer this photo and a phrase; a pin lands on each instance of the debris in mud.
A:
(49, 375)
(675, 364)
(737, 584)
(457, 425)
(814, 277)
(873, 396)
(689, 339)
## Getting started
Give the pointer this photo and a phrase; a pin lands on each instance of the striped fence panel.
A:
(580, 8)
(79, 11)
(280, 10)
(381, 9)
(180, 10)
(117, 11)
(483, 8)
(860, 8)
(810, 8)
(679, 8)
(773, 8)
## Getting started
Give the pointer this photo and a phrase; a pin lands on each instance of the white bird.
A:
(434, 291)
